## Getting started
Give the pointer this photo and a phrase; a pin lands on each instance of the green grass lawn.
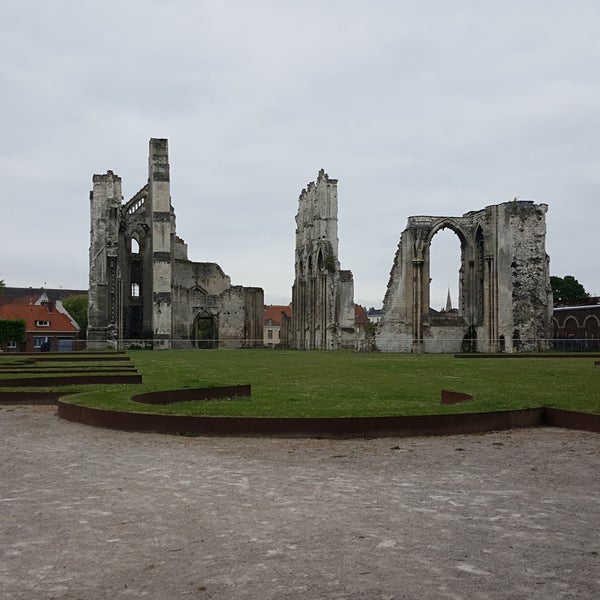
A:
(307, 384)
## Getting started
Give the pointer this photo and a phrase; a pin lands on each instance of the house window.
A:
(42, 323)
(135, 290)
(11, 345)
(269, 334)
(39, 341)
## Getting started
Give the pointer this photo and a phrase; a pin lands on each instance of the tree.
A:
(12, 330)
(2, 286)
(77, 308)
(567, 290)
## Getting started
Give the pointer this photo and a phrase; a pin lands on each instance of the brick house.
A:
(46, 327)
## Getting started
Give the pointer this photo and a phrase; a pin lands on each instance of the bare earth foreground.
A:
(92, 513)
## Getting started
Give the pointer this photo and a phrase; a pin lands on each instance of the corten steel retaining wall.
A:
(192, 394)
(35, 398)
(75, 380)
(98, 357)
(557, 417)
(67, 370)
(330, 427)
(523, 355)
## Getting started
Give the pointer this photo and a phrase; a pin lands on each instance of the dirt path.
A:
(92, 514)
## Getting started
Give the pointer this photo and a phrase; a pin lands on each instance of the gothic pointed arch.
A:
(503, 283)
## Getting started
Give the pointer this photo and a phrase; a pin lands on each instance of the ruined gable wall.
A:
(203, 288)
(196, 289)
(241, 317)
(322, 294)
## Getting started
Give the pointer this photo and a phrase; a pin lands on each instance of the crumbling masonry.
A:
(322, 293)
(142, 285)
(505, 298)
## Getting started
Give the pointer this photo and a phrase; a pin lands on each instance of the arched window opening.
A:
(135, 246)
(135, 290)
(320, 261)
(444, 272)
(571, 327)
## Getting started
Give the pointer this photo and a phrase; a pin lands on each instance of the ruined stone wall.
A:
(203, 290)
(531, 293)
(504, 286)
(322, 294)
(104, 285)
(142, 285)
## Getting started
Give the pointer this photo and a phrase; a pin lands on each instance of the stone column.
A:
(160, 212)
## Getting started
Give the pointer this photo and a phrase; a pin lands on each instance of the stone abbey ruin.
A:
(505, 298)
(322, 294)
(143, 287)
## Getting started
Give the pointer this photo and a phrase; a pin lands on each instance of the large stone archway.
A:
(505, 299)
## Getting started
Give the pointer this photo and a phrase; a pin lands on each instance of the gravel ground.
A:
(93, 514)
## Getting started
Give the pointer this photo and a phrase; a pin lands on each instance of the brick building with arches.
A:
(577, 327)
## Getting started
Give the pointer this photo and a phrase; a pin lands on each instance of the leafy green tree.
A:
(77, 307)
(567, 289)
(12, 330)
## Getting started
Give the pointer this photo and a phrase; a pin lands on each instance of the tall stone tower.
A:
(105, 282)
(322, 294)
(159, 222)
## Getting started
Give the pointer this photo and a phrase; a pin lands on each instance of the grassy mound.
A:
(326, 384)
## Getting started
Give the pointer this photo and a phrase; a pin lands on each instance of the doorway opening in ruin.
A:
(205, 331)
(136, 322)
(444, 270)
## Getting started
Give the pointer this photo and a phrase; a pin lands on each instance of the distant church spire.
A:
(448, 302)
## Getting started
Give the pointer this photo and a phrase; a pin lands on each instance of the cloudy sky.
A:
(417, 107)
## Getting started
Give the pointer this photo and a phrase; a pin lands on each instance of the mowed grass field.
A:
(311, 384)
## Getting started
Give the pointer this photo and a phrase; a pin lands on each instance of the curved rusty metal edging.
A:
(74, 380)
(28, 398)
(193, 394)
(522, 355)
(330, 427)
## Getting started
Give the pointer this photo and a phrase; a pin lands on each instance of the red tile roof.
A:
(360, 315)
(273, 312)
(59, 322)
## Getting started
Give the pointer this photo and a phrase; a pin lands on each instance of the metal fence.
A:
(404, 346)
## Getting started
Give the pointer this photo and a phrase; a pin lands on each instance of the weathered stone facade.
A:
(505, 298)
(142, 285)
(322, 294)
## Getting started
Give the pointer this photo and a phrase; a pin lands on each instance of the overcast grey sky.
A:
(417, 107)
